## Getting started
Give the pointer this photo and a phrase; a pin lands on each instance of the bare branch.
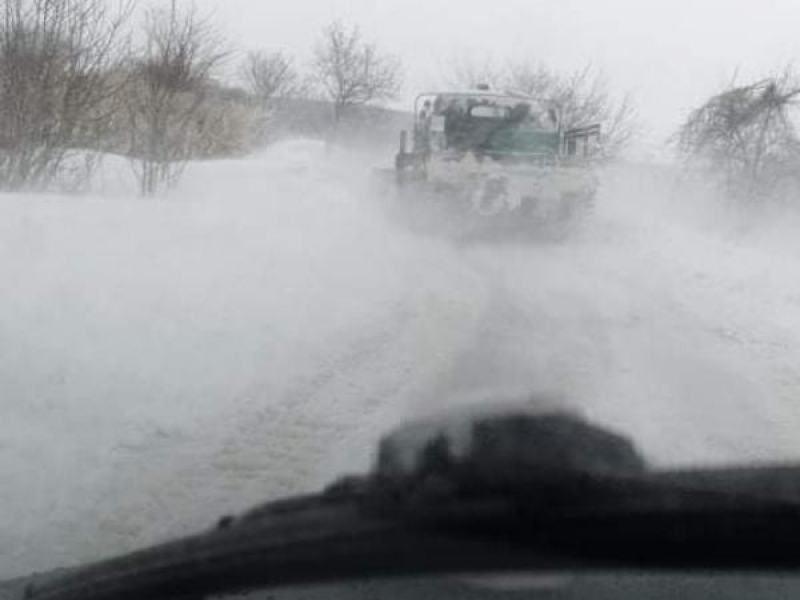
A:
(746, 134)
(351, 72)
(270, 75)
(57, 88)
(468, 72)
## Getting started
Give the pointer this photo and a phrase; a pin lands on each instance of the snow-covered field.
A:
(165, 362)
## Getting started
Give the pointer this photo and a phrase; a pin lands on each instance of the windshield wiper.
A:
(505, 493)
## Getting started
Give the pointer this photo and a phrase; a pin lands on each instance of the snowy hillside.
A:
(164, 362)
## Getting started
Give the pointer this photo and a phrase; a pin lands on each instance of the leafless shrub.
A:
(352, 72)
(57, 89)
(746, 135)
(230, 124)
(168, 92)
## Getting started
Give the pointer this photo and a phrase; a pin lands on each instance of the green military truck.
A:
(481, 163)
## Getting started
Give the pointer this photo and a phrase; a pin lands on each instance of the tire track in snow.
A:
(537, 341)
(272, 442)
(622, 332)
(657, 322)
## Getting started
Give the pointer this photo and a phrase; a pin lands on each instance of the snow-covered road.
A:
(163, 363)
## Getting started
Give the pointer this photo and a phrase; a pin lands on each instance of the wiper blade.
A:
(534, 493)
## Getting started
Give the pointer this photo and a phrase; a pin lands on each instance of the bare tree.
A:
(534, 79)
(168, 92)
(745, 133)
(583, 98)
(270, 75)
(351, 72)
(58, 88)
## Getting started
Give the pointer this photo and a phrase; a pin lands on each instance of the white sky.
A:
(670, 54)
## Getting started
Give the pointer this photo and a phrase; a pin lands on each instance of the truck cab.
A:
(504, 127)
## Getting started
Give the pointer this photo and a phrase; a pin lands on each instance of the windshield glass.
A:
(486, 123)
(240, 240)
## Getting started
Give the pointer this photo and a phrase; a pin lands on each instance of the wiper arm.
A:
(543, 493)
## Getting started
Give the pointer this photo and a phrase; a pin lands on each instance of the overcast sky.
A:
(670, 54)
